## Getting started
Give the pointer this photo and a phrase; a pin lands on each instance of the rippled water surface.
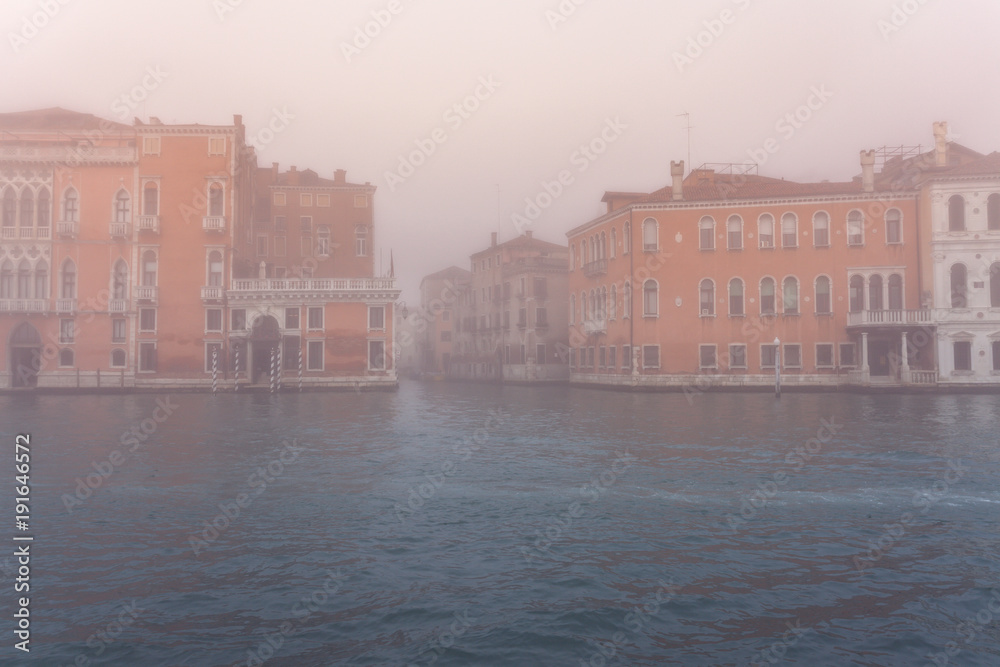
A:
(468, 524)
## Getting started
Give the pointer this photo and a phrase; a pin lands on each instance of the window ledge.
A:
(963, 373)
(737, 315)
(710, 316)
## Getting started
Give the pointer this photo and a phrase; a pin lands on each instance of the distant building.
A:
(435, 328)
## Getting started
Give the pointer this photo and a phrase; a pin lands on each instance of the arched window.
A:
(626, 238)
(857, 294)
(789, 231)
(706, 297)
(27, 208)
(118, 358)
(67, 289)
(119, 280)
(875, 293)
(790, 296)
(823, 301)
(855, 228)
(650, 298)
(149, 268)
(735, 296)
(7, 280)
(216, 205)
(956, 214)
(767, 305)
(215, 269)
(41, 280)
(734, 232)
(821, 229)
(995, 285)
(71, 206)
(959, 286)
(584, 256)
(123, 207)
(323, 241)
(604, 245)
(583, 307)
(614, 299)
(572, 256)
(706, 233)
(593, 250)
(993, 213)
(44, 208)
(24, 280)
(604, 303)
(150, 199)
(614, 243)
(627, 301)
(572, 309)
(649, 235)
(9, 207)
(895, 292)
(765, 230)
(893, 226)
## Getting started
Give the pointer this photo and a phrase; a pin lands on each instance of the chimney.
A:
(274, 171)
(941, 144)
(340, 176)
(528, 233)
(677, 171)
(868, 171)
(493, 240)
(293, 176)
(237, 119)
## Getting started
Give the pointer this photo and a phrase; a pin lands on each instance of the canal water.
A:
(456, 524)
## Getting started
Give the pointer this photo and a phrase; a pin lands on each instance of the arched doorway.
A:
(264, 339)
(25, 356)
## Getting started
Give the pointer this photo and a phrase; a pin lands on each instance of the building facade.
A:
(436, 327)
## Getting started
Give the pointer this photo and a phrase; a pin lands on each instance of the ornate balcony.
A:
(213, 223)
(212, 293)
(22, 305)
(147, 293)
(596, 268)
(595, 326)
(65, 306)
(119, 230)
(118, 305)
(68, 228)
(8, 232)
(149, 223)
(895, 318)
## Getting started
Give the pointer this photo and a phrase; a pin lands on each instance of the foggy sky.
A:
(557, 82)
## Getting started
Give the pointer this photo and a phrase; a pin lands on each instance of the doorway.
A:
(25, 356)
(264, 339)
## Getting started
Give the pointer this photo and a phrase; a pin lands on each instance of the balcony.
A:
(65, 306)
(213, 223)
(11, 233)
(68, 228)
(595, 327)
(118, 230)
(881, 318)
(118, 305)
(147, 293)
(299, 287)
(8, 233)
(22, 305)
(595, 268)
(149, 223)
(212, 293)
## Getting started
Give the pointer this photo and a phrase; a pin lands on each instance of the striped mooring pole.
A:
(215, 370)
(236, 374)
(278, 367)
(274, 369)
(300, 369)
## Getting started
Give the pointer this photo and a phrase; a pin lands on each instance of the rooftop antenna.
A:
(499, 226)
(688, 127)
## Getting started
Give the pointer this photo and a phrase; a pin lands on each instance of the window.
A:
(650, 356)
(67, 283)
(150, 145)
(790, 296)
(706, 233)
(376, 318)
(613, 357)
(541, 317)
(706, 292)
(361, 241)
(280, 247)
(602, 356)
(44, 208)
(959, 286)
(119, 280)
(323, 241)
(292, 318)
(41, 280)
(522, 318)
(262, 245)
(706, 357)
(323, 201)
(824, 355)
(216, 202)
(963, 355)
(572, 310)
(9, 207)
(150, 199)
(627, 301)
(149, 268)
(376, 355)
(893, 226)
(279, 223)
(848, 355)
(995, 285)
(360, 201)
(215, 269)
(895, 292)
(956, 214)
(147, 319)
(213, 357)
(314, 350)
(649, 235)
(993, 213)
(290, 346)
(824, 303)
(541, 287)
(27, 208)
(7, 281)
(147, 357)
(855, 228)
(737, 355)
(768, 355)
(765, 231)
(118, 359)
(123, 207)
(821, 229)
(66, 357)
(279, 199)
(24, 281)
(875, 293)
(216, 145)
(315, 318)
(238, 319)
(650, 299)
(306, 225)
(67, 331)
(736, 297)
(119, 330)
(213, 319)
(734, 232)
(789, 231)
(614, 302)
(305, 199)
(626, 238)
(71, 206)
(857, 294)
(767, 297)
(614, 243)
(626, 357)
(996, 355)
(793, 355)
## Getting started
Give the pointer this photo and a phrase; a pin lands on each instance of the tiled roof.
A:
(988, 165)
(727, 187)
(57, 118)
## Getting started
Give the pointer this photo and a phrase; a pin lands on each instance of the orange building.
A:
(129, 257)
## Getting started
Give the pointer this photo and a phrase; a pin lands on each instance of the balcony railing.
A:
(22, 305)
(596, 268)
(68, 228)
(213, 223)
(118, 305)
(68, 155)
(65, 306)
(923, 377)
(149, 223)
(315, 285)
(211, 293)
(8, 232)
(25, 233)
(889, 317)
(595, 326)
(146, 292)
